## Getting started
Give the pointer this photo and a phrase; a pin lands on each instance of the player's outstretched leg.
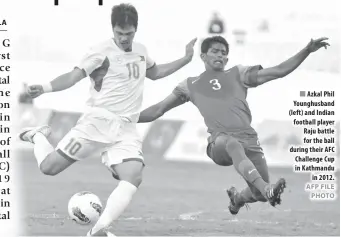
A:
(250, 164)
(243, 164)
(250, 194)
(130, 175)
(49, 161)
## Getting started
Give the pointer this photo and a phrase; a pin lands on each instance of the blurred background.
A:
(50, 42)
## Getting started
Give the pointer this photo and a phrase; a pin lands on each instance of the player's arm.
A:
(160, 71)
(62, 82)
(89, 63)
(67, 80)
(288, 66)
(179, 96)
(157, 110)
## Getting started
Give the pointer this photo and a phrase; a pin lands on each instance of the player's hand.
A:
(190, 49)
(35, 90)
(315, 45)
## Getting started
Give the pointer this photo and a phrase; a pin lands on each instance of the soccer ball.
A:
(84, 208)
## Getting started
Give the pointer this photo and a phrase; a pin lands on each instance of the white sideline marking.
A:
(190, 215)
(133, 219)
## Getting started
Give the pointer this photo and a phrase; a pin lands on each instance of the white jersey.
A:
(117, 78)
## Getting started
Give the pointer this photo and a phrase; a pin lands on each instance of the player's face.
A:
(124, 36)
(216, 57)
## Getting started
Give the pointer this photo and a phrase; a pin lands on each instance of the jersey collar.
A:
(118, 48)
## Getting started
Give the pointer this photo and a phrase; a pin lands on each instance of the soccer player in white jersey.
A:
(117, 68)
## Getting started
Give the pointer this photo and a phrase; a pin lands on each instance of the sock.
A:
(245, 167)
(117, 202)
(245, 196)
(42, 147)
(260, 184)
(250, 173)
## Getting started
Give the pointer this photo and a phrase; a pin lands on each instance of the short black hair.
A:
(207, 43)
(124, 14)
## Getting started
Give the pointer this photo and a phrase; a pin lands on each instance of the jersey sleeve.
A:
(91, 61)
(182, 92)
(150, 62)
(248, 75)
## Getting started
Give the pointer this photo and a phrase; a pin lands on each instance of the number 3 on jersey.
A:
(133, 70)
(215, 84)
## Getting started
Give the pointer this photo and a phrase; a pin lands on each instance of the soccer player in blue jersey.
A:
(220, 95)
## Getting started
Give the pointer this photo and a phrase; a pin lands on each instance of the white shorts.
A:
(102, 133)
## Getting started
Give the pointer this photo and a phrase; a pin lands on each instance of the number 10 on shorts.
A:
(73, 147)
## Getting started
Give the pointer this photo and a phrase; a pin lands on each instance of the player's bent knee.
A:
(49, 170)
(135, 180)
(219, 155)
(130, 171)
(223, 162)
(54, 163)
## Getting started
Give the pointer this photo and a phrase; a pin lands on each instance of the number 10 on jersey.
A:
(133, 70)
